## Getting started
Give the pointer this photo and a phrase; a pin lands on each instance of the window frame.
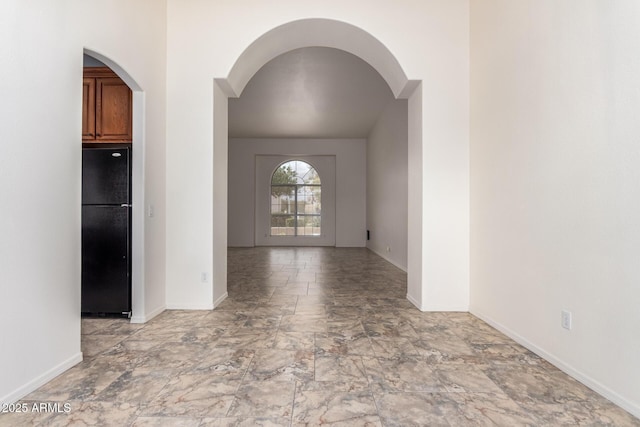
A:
(296, 215)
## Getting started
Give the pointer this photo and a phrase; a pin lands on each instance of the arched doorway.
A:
(323, 33)
(137, 180)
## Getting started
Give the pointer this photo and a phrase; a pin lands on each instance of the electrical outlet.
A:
(150, 211)
(204, 277)
(388, 249)
(565, 319)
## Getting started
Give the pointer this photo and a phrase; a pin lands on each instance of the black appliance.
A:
(106, 230)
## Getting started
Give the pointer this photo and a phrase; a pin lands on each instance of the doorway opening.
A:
(346, 38)
(136, 255)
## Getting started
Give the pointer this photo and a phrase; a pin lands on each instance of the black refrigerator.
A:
(106, 231)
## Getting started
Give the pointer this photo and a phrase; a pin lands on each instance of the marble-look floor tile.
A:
(507, 354)
(487, 409)
(311, 310)
(262, 323)
(263, 399)
(340, 368)
(465, 379)
(291, 290)
(236, 306)
(166, 422)
(137, 345)
(393, 347)
(248, 339)
(402, 374)
(338, 386)
(539, 386)
(339, 344)
(226, 318)
(202, 335)
(160, 335)
(100, 326)
(322, 292)
(312, 336)
(305, 276)
(95, 344)
(302, 323)
(281, 365)
(295, 341)
(274, 309)
(24, 419)
(138, 386)
(95, 414)
(82, 382)
(316, 408)
(246, 422)
(125, 356)
(416, 409)
(446, 349)
(193, 395)
(283, 300)
(224, 363)
(311, 300)
(174, 355)
(345, 326)
(598, 412)
(92, 325)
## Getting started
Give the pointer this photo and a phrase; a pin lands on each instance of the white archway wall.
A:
(205, 40)
(316, 32)
(220, 197)
(146, 301)
(136, 58)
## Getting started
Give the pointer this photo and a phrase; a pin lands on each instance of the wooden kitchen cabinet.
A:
(88, 108)
(106, 107)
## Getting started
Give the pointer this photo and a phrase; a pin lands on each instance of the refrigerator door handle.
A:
(125, 205)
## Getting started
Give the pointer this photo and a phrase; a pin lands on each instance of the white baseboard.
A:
(41, 380)
(198, 306)
(148, 316)
(624, 403)
(190, 306)
(415, 302)
(453, 309)
(219, 300)
(450, 309)
(386, 258)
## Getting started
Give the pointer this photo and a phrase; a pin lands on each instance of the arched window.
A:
(295, 200)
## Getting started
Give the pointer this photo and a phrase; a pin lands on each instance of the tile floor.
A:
(312, 337)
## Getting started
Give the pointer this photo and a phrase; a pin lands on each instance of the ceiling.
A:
(314, 92)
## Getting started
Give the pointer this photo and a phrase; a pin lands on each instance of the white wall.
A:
(555, 194)
(41, 46)
(214, 35)
(350, 188)
(387, 203)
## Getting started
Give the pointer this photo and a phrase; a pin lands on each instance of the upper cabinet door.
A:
(106, 107)
(113, 110)
(88, 108)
